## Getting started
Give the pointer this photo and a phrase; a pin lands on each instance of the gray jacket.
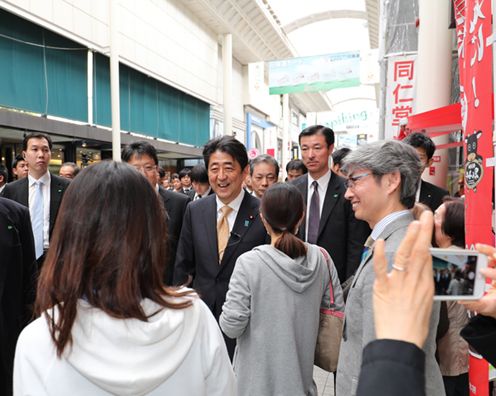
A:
(359, 327)
(272, 308)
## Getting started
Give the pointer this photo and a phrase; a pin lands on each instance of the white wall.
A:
(158, 37)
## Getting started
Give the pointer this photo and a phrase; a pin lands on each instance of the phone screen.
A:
(454, 274)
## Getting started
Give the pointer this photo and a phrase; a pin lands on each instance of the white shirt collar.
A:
(385, 221)
(45, 179)
(323, 180)
(234, 204)
(204, 194)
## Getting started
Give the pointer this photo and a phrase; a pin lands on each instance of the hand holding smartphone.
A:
(457, 274)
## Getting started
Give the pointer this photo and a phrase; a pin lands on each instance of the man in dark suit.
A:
(41, 191)
(199, 180)
(329, 220)
(186, 186)
(143, 156)
(219, 228)
(427, 193)
(17, 283)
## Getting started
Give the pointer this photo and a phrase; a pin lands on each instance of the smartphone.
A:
(456, 274)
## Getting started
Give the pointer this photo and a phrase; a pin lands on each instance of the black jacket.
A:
(431, 195)
(175, 207)
(480, 333)
(340, 233)
(17, 283)
(197, 256)
(392, 368)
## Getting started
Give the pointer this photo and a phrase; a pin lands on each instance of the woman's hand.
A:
(486, 305)
(403, 297)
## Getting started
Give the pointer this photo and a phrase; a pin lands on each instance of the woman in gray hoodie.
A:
(272, 306)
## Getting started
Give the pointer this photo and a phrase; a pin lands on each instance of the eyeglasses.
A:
(350, 182)
(146, 168)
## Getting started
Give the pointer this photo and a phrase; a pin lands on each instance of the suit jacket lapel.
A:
(392, 227)
(246, 215)
(24, 192)
(425, 195)
(55, 194)
(210, 224)
(331, 197)
(303, 187)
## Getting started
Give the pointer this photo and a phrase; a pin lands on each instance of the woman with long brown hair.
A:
(108, 324)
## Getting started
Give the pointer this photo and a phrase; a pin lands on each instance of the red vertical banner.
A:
(473, 32)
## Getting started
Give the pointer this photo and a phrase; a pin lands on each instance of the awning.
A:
(438, 122)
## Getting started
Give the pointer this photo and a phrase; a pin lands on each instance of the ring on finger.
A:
(399, 268)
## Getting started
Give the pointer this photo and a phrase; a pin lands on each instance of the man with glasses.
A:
(264, 171)
(143, 156)
(329, 221)
(382, 180)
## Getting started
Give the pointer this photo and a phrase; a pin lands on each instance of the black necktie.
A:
(314, 215)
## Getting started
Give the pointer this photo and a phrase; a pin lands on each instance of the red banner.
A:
(473, 30)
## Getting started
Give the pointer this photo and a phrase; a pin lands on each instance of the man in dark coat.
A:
(17, 283)
(219, 228)
(335, 227)
(427, 193)
(41, 191)
(143, 156)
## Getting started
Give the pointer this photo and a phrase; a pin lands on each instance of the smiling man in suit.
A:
(382, 179)
(41, 191)
(143, 156)
(219, 228)
(427, 193)
(329, 221)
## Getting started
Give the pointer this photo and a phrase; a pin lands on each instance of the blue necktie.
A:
(37, 215)
(366, 248)
(314, 215)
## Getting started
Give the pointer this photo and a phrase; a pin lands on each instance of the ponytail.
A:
(290, 245)
(282, 208)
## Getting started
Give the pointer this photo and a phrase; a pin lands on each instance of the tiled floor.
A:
(324, 381)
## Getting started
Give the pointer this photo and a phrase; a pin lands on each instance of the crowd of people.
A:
(123, 281)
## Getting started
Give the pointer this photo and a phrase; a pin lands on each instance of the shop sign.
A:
(400, 94)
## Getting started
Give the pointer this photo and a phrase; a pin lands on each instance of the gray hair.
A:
(391, 156)
(268, 159)
(73, 166)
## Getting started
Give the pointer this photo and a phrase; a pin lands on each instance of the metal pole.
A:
(90, 87)
(286, 134)
(114, 80)
(227, 82)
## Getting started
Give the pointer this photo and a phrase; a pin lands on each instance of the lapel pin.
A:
(9, 227)
(247, 223)
(336, 195)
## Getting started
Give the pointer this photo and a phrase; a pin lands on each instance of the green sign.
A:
(314, 73)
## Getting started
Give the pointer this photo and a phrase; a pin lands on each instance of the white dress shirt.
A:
(235, 204)
(45, 189)
(322, 189)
